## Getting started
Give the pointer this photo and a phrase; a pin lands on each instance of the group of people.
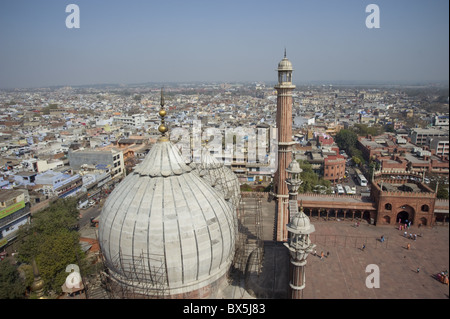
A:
(405, 226)
(322, 254)
(411, 236)
(443, 277)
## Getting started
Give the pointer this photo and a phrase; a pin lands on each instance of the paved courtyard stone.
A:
(343, 274)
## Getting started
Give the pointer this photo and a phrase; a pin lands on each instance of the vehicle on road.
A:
(350, 190)
(340, 189)
(83, 205)
(360, 177)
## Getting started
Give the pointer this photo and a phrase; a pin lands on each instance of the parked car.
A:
(340, 189)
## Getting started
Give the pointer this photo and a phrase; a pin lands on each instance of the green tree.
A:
(61, 214)
(356, 160)
(57, 250)
(356, 153)
(310, 178)
(246, 188)
(389, 128)
(52, 240)
(346, 139)
(364, 129)
(12, 286)
(373, 167)
(442, 192)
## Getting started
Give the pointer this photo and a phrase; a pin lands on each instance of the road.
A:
(86, 214)
(352, 181)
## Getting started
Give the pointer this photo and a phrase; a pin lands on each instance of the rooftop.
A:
(6, 194)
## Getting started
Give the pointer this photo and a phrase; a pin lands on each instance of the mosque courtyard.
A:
(342, 275)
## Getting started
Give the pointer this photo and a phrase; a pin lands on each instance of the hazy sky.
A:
(209, 40)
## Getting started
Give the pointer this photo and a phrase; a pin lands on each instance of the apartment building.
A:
(14, 212)
(135, 120)
(419, 136)
(111, 160)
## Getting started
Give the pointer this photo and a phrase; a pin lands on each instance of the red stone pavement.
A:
(342, 275)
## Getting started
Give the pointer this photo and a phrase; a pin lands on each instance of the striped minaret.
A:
(284, 129)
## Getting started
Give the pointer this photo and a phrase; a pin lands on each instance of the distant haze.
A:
(181, 41)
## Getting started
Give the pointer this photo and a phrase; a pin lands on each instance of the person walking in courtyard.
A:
(408, 246)
(363, 247)
(321, 255)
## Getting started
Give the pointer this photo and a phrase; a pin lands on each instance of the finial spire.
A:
(162, 113)
(284, 51)
(162, 98)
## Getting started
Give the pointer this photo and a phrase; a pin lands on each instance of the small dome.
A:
(300, 224)
(300, 221)
(219, 176)
(294, 168)
(285, 65)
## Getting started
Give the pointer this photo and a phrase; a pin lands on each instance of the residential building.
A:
(334, 167)
(439, 146)
(14, 212)
(135, 120)
(419, 135)
(59, 184)
(111, 160)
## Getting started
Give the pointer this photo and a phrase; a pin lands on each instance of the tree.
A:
(356, 160)
(310, 178)
(389, 128)
(364, 129)
(346, 139)
(442, 192)
(356, 153)
(373, 167)
(56, 252)
(61, 214)
(52, 240)
(12, 286)
(246, 188)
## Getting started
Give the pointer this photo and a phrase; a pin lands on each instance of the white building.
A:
(135, 120)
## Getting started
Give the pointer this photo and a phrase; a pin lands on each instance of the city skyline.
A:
(122, 42)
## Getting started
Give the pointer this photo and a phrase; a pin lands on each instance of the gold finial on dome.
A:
(162, 113)
(38, 284)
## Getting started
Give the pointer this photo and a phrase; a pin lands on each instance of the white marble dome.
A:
(165, 212)
(285, 65)
(219, 176)
(300, 224)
